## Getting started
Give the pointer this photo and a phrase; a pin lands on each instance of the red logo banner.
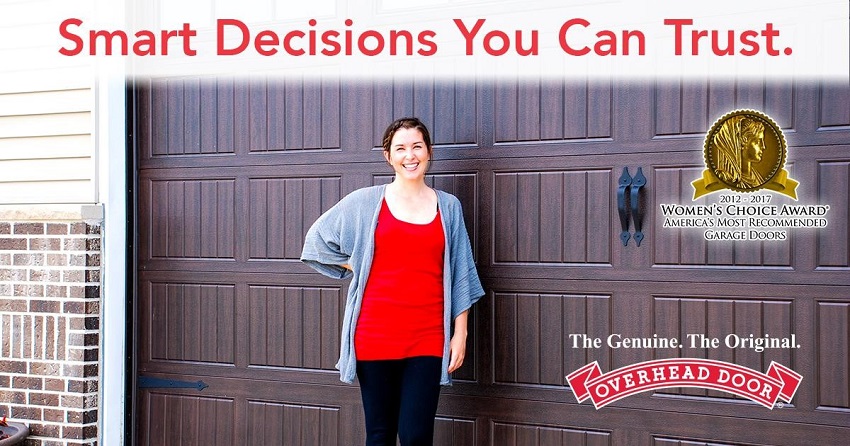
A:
(778, 383)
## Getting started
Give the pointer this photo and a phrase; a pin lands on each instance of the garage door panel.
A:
(451, 431)
(292, 424)
(675, 246)
(284, 114)
(286, 413)
(824, 118)
(531, 335)
(662, 441)
(696, 421)
(553, 217)
(192, 218)
(761, 434)
(225, 115)
(294, 327)
(532, 110)
(321, 127)
(241, 116)
(833, 351)
(196, 218)
(690, 107)
(681, 108)
(190, 116)
(519, 434)
(282, 210)
(834, 113)
(192, 322)
(187, 420)
(833, 188)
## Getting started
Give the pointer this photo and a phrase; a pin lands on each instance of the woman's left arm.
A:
(457, 346)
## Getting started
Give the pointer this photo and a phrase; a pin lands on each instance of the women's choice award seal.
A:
(745, 151)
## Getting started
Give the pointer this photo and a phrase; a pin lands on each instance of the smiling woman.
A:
(406, 248)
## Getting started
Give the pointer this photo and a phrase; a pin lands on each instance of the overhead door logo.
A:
(778, 384)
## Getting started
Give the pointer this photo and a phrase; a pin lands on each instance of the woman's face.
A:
(754, 148)
(408, 154)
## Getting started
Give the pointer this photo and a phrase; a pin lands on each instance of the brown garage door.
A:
(233, 171)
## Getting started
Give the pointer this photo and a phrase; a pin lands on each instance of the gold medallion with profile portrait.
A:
(745, 151)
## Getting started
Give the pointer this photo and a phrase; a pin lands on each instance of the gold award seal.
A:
(745, 151)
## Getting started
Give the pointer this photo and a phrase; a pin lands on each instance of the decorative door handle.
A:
(638, 182)
(624, 183)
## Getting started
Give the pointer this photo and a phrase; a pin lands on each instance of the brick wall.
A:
(49, 329)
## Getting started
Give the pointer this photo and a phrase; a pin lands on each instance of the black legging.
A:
(400, 397)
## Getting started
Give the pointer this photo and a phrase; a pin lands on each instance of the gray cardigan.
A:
(345, 234)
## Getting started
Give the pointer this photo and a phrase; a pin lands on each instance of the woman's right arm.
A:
(323, 250)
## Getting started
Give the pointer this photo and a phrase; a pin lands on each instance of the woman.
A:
(413, 280)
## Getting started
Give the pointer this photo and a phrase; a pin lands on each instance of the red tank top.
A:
(402, 311)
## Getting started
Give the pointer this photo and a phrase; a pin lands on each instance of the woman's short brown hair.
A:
(406, 123)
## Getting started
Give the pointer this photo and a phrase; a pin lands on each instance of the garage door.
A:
(236, 339)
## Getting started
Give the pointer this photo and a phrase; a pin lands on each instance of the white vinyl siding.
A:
(47, 147)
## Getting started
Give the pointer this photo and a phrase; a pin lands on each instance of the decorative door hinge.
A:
(149, 382)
